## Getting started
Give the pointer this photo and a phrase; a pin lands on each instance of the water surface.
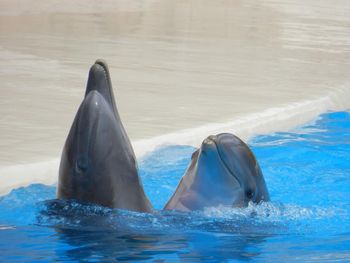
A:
(308, 220)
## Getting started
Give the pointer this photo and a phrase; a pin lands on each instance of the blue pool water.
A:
(308, 175)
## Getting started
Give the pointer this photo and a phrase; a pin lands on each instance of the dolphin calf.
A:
(223, 171)
(98, 164)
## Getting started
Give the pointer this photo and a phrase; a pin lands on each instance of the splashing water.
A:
(307, 173)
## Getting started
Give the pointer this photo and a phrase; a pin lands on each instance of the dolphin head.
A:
(223, 171)
(232, 168)
(98, 164)
(95, 158)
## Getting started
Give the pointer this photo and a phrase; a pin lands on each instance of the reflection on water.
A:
(171, 246)
(174, 64)
(79, 245)
(91, 232)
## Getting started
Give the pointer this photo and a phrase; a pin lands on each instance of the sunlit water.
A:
(307, 173)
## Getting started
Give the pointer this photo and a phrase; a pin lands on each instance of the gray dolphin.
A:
(223, 171)
(98, 164)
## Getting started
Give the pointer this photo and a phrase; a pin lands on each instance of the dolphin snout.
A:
(208, 145)
(210, 140)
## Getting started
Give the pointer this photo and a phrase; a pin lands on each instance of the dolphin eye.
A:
(249, 193)
(81, 164)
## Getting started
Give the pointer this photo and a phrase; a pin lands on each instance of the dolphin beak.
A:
(99, 80)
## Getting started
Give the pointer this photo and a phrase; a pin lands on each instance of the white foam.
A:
(270, 120)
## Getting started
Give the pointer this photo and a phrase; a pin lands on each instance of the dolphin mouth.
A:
(213, 139)
(105, 71)
(99, 79)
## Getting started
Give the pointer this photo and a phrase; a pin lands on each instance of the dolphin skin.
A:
(224, 171)
(98, 164)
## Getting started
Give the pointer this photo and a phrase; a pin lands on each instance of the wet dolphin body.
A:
(224, 172)
(98, 164)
